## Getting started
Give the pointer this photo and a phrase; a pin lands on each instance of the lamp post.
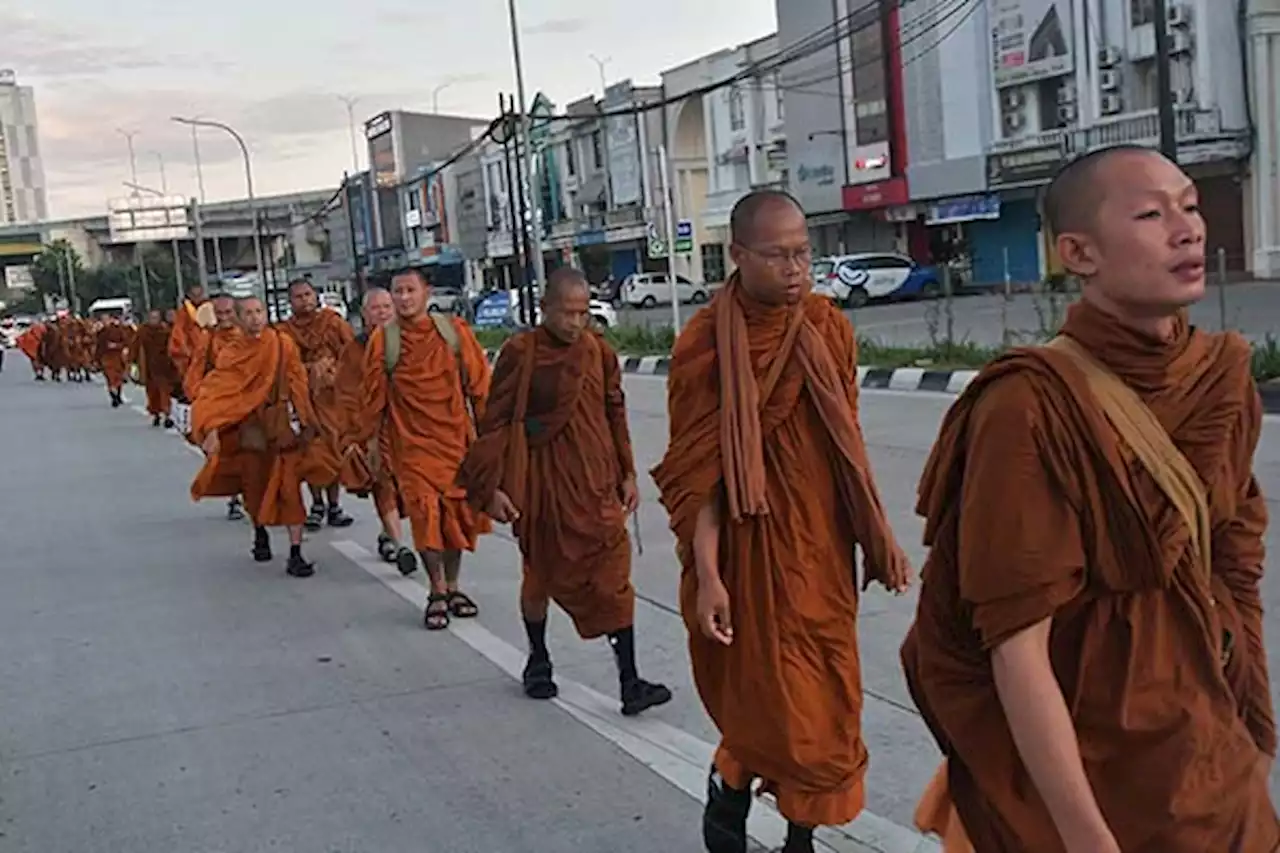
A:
(526, 128)
(133, 157)
(248, 177)
(435, 95)
(350, 101)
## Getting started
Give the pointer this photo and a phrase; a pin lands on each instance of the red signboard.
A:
(873, 196)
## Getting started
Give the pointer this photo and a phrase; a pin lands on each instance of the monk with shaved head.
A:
(156, 371)
(208, 344)
(1088, 646)
(252, 416)
(366, 468)
(553, 459)
(770, 494)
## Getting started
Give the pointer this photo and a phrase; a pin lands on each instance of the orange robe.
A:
(155, 369)
(790, 468)
(321, 338)
(428, 427)
(184, 338)
(554, 438)
(1037, 510)
(361, 475)
(235, 392)
(30, 343)
(110, 350)
(204, 356)
(55, 346)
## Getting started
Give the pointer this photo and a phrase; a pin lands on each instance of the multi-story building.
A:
(722, 144)
(1263, 33)
(841, 74)
(1057, 78)
(22, 187)
(402, 145)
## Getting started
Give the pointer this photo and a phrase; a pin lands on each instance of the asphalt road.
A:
(984, 319)
(162, 692)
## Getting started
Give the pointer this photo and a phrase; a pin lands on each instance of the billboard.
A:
(142, 219)
(18, 277)
(623, 133)
(1031, 40)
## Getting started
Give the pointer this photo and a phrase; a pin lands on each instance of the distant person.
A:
(156, 371)
(111, 346)
(204, 357)
(186, 327)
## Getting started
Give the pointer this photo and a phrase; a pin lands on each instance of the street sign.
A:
(494, 310)
(684, 236)
(657, 248)
(141, 219)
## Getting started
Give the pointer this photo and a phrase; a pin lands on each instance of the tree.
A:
(49, 271)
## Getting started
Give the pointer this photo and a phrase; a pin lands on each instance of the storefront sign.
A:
(377, 126)
(1031, 40)
(963, 209)
(1034, 165)
(819, 176)
(873, 196)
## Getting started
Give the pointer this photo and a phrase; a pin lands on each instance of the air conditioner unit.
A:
(1185, 97)
(1014, 99)
(1014, 121)
(1109, 80)
(1109, 56)
(1179, 15)
(1067, 93)
(1179, 42)
(1067, 113)
(1111, 103)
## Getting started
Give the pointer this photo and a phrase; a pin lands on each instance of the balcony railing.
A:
(1193, 125)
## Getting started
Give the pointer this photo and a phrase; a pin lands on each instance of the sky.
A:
(278, 72)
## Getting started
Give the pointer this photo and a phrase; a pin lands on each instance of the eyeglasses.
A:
(783, 257)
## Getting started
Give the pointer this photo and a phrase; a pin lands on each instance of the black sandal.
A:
(436, 618)
(461, 606)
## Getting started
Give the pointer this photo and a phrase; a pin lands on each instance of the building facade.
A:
(1263, 196)
(23, 193)
(1010, 90)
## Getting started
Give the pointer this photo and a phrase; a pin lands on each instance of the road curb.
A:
(879, 378)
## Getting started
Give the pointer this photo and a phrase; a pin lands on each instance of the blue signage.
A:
(684, 229)
(964, 209)
(494, 310)
(590, 238)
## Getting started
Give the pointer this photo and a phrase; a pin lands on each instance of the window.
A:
(1141, 12)
(871, 117)
(597, 150)
(737, 110)
(713, 263)
(778, 93)
(570, 161)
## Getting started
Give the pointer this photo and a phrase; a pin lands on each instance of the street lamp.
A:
(133, 158)
(350, 101)
(248, 177)
(435, 95)
(526, 129)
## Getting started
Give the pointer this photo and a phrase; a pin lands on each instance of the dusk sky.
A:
(275, 71)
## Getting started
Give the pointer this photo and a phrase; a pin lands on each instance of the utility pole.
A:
(351, 128)
(177, 253)
(513, 213)
(1164, 84)
(526, 134)
(604, 132)
(356, 283)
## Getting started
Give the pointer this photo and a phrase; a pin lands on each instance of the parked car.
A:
(651, 289)
(854, 280)
(502, 308)
(444, 300)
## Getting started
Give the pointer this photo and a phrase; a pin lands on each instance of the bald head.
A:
(252, 314)
(753, 207)
(224, 311)
(565, 280)
(377, 307)
(1070, 202)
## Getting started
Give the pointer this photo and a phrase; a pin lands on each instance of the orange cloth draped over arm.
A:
(759, 403)
(29, 342)
(1028, 485)
(321, 339)
(235, 391)
(552, 439)
(204, 357)
(428, 426)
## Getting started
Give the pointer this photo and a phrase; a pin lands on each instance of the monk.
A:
(53, 347)
(30, 342)
(321, 336)
(209, 346)
(1089, 656)
(110, 350)
(553, 459)
(366, 470)
(424, 396)
(155, 369)
(185, 330)
(252, 416)
(769, 490)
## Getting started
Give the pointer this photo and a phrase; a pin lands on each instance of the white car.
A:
(853, 280)
(602, 313)
(651, 289)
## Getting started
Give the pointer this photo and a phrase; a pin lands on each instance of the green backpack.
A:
(448, 331)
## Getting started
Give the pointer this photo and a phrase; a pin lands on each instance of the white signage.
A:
(377, 126)
(623, 134)
(18, 277)
(1031, 40)
(141, 219)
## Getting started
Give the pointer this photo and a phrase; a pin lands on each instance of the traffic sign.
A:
(684, 236)
(657, 248)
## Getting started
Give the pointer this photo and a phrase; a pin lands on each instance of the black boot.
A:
(315, 518)
(155, 420)
(638, 695)
(234, 511)
(799, 839)
(538, 678)
(261, 545)
(337, 518)
(297, 566)
(724, 821)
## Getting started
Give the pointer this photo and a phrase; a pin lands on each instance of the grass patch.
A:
(1266, 359)
(943, 356)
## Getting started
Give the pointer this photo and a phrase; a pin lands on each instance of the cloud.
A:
(53, 51)
(557, 27)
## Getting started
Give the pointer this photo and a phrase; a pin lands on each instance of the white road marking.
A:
(672, 753)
